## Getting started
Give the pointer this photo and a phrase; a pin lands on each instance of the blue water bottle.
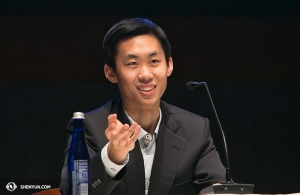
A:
(78, 159)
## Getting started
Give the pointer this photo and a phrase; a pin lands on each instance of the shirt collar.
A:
(143, 132)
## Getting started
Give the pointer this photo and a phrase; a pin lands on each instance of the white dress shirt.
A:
(148, 155)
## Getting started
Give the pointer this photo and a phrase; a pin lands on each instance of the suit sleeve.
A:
(100, 182)
(208, 169)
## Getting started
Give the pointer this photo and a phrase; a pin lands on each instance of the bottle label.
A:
(80, 177)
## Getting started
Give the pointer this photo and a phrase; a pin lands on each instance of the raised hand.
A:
(121, 138)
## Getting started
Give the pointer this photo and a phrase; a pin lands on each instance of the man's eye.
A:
(154, 61)
(132, 63)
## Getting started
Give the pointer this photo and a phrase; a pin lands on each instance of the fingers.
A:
(112, 118)
(127, 134)
(114, 125)
(110, 131)
(134, 135)
(120, 134)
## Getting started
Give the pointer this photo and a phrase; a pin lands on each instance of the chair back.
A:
(54, 191)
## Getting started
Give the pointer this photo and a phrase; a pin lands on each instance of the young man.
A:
(140, 144)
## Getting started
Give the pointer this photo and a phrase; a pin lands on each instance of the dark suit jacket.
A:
(185, 159)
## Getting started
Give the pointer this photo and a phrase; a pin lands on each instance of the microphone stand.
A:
(227, 187)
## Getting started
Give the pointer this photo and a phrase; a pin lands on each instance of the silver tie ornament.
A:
(145, 141)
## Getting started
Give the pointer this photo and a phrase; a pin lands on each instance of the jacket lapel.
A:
(135, 176)
(168, 154)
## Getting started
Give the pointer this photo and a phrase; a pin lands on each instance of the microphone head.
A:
(192, 85)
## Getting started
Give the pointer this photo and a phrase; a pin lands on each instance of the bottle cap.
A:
(78, 115)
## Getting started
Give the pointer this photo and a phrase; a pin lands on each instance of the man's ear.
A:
(170, 67)
(110, 74)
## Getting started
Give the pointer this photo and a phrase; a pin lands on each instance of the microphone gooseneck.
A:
(229, 187)
(192, 85)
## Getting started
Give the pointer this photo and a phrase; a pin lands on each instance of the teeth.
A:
(146, 88)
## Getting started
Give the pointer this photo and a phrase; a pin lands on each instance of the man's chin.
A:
(150, 102)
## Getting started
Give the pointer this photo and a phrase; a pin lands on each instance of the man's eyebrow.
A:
(154, 53)
(130, 56)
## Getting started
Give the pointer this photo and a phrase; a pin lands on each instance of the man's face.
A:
(141, 71)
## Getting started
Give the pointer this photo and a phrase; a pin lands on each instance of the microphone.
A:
(229, 187)
(192, 85)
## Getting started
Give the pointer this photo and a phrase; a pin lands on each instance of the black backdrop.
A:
(51, 66)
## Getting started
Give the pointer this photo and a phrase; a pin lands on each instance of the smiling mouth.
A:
(146, 89)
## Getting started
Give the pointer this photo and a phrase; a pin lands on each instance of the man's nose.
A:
(145, 74)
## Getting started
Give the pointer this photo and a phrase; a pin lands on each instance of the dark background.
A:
(246, 51)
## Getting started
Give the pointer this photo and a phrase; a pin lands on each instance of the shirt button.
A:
(149, 137)
(113, 169)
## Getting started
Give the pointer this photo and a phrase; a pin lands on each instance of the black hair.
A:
(128, 28)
